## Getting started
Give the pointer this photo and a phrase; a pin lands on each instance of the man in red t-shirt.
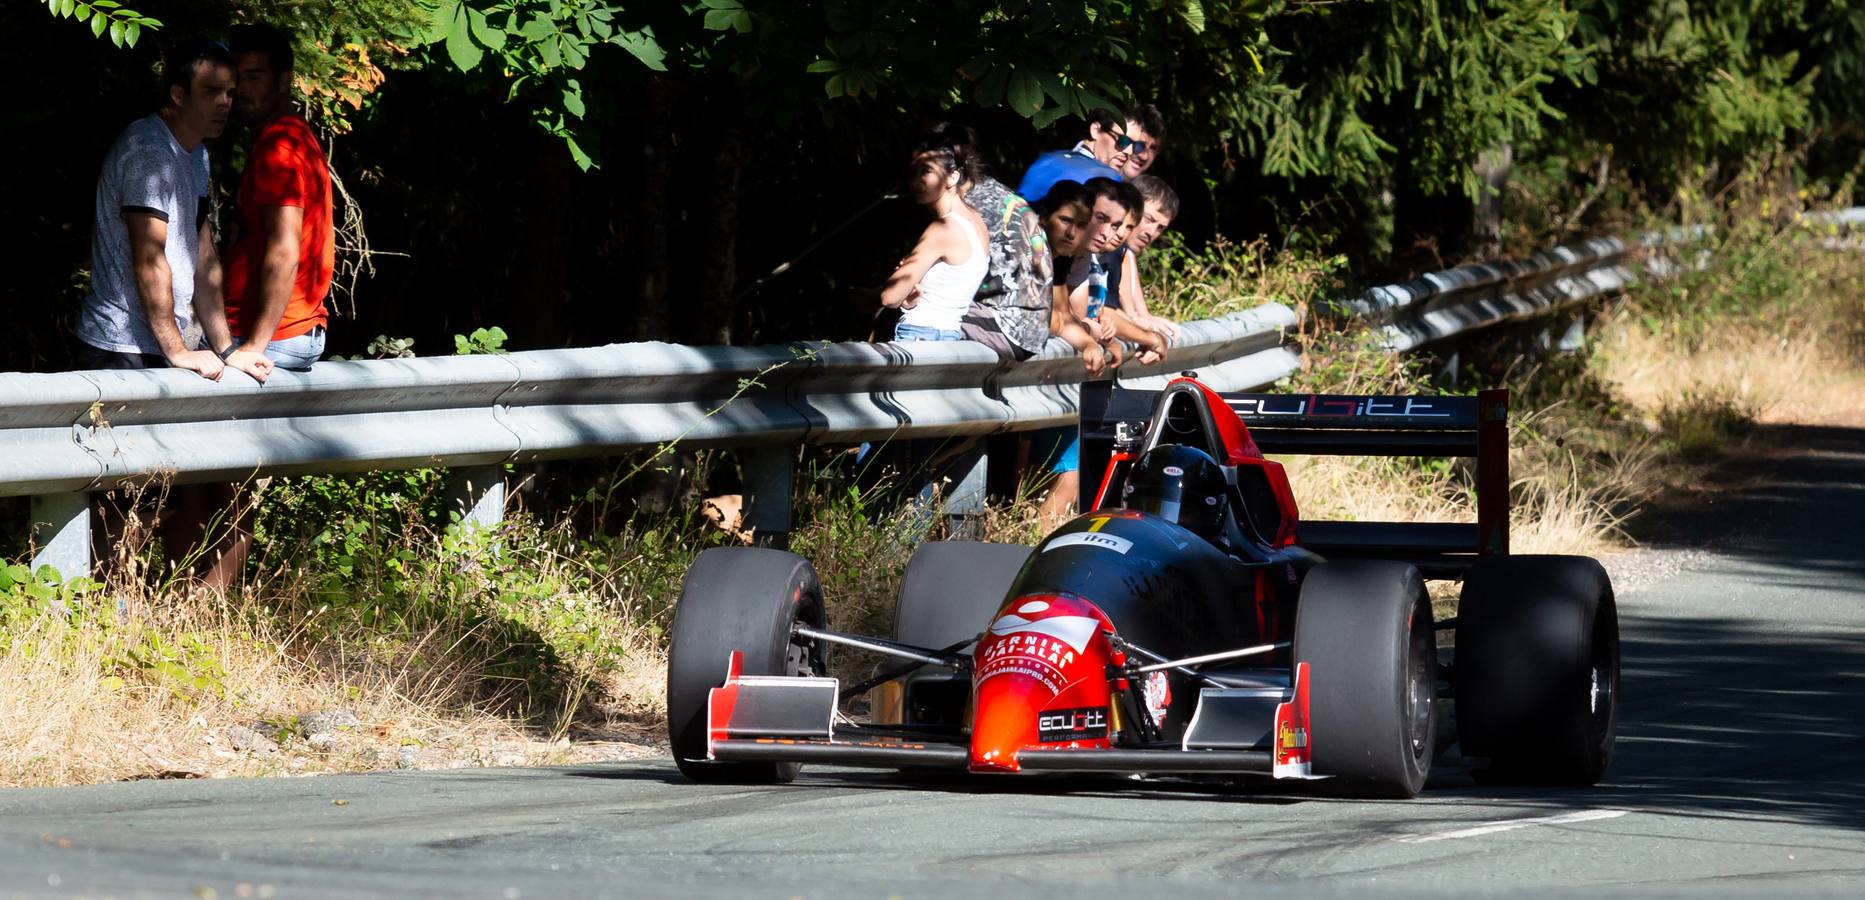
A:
(279, 268)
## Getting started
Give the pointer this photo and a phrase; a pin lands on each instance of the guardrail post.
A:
(477, 493)
(1574, 339)
(769, 475)
(965, 494)
(61, 533)
(1448, 366)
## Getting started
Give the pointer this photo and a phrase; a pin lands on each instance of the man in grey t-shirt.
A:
(152, 256)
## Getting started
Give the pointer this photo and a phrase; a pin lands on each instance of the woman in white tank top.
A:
(935, 284)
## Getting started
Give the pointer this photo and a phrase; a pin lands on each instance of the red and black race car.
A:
(1190, 624)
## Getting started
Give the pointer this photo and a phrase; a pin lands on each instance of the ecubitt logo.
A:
(1112, 542)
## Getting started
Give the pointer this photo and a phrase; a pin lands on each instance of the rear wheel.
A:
(949, 593)
(1537, 664)
(1364, 628)
(744, 599)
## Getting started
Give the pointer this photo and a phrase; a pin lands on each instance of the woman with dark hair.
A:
(935, 284)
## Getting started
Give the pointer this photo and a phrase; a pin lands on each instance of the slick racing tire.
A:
(1537, 668)
(949, 594)
(1364, 628)
(745, 599)
(952, 588)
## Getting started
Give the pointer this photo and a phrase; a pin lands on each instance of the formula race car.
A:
(1188, 625)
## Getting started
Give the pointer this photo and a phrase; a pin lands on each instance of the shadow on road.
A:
(1747, 699)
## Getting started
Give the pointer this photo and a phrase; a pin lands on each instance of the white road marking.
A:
(1589, 815)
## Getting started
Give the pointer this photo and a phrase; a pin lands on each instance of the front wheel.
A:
(1364, 628)
(744, 599)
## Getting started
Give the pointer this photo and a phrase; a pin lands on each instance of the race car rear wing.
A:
(1115, 419)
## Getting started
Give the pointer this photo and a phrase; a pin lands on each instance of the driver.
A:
(1181, 484)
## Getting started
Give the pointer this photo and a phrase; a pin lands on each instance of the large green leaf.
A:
(642, 46)
(460, 47)
(573, 98)
(489, 37)
(1025, 93)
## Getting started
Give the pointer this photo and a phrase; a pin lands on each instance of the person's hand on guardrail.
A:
(1095, 358)
(252, 362)
(206, 363)
(1116, 353)
(1152, 351)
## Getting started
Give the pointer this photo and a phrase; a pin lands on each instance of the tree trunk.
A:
(1492, 168)
(654, 319)
(718, 275)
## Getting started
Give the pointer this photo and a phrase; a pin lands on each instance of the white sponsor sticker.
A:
(1091, 539)
(1071, 630)
(1174, 471)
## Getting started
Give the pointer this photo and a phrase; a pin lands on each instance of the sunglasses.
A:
(1122, 142)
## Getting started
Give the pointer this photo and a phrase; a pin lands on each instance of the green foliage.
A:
(1357, 90)
(185, 665)
(342, 48)
(26, 594)
(1224, 277)
(1673, 85)
(539, 47)
(125, 26)
(1699, 424)
(481, 341)
(385, 347)
(1046, 60)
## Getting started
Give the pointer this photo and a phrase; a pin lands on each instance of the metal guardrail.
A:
(1444, 305)
(65, 436)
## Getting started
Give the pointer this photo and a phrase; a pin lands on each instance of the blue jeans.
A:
(296, 353)
(904, 332)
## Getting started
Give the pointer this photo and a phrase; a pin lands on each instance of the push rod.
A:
(873, 645)
(1211, 657)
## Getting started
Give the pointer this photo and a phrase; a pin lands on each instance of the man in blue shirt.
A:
(1117, 147)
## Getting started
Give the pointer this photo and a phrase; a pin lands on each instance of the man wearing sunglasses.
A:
(1117, 147)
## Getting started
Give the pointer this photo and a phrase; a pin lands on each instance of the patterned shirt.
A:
(1016, 286)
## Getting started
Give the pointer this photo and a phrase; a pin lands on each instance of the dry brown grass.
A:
(75, 712)
(1808, 378)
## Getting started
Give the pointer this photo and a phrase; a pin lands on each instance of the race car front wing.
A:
(757, 718)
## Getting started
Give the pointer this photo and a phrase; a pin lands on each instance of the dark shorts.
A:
(979, 325)
(91, 359)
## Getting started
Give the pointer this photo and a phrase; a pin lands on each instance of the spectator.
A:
(1161, 207)
(935, 284)
(1117, 211)
(155, 279)
(280, 264)
(1148, 130)
(1065, 213)
(1086, 222)
(1113, 146)
(1011, 312)
(152, 254)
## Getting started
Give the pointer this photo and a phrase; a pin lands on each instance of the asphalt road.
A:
(1737, 771)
